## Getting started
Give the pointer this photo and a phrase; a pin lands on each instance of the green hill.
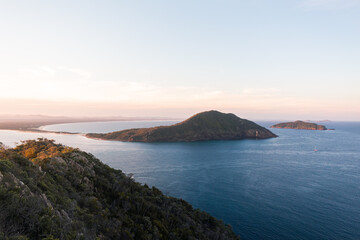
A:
(300, 125)
(50, 191)
(210, 125)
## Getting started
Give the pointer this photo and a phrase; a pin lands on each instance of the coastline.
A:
(31, 127)
(37, 125)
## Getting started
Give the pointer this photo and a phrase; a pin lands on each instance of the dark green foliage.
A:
(210, 125)
(56, 192)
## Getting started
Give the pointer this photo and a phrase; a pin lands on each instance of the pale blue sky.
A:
(260, 59)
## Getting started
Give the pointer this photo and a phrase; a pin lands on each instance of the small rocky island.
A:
(210, 125)
(300, 125)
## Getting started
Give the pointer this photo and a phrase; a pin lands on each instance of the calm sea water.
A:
(266, 189)
(104, 127)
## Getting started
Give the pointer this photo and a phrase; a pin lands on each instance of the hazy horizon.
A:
(282, 60)
(105, 118)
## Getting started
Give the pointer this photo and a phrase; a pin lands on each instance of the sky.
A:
(260, 59)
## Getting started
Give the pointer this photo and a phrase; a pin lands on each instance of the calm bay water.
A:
(104, 127)
(266, 189)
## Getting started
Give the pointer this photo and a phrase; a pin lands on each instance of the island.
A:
(209, 125)
(300, 125)
(51, 191)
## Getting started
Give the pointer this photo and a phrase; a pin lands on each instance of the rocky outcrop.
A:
(300, 125)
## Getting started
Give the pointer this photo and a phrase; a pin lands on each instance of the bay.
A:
(266, 189)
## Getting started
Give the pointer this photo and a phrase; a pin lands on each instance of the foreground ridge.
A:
(210, 125)
(50, 191)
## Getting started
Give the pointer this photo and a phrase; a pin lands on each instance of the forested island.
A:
(300, 125)
(209, 125)
(50, 191)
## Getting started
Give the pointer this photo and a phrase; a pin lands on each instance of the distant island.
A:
(209, 125)
(300, 125)
(50, 191)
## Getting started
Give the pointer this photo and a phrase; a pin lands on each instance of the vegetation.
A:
(211, 125)
(300, 125)
(50, 191)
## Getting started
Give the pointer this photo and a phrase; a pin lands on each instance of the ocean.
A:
(278, 188)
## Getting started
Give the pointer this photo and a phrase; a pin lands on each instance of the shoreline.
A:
(36, 125)
(33, 126)
(35, 130)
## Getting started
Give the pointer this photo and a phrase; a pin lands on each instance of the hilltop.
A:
(50, 191)
(300, 125)
(210, 125)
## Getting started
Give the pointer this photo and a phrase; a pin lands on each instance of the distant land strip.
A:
(33, 123)
(300, 125)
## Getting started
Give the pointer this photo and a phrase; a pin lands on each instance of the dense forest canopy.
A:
(51, 191)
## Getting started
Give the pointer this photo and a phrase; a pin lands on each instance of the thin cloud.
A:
(76, 90)
(264, 92)
(64, 84)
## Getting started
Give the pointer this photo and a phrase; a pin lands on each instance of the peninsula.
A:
(210, 125)
(51, 191)
(300, 125)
